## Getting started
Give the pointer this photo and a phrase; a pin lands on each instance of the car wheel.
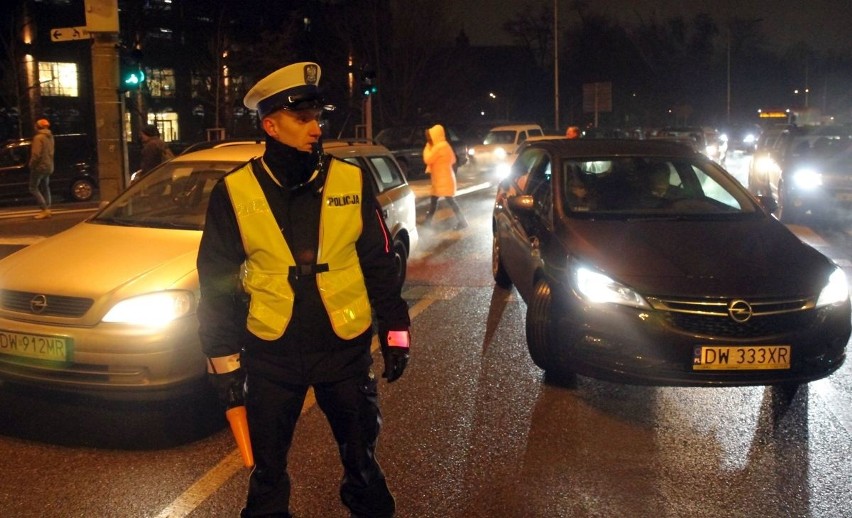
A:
(497, 270)
(400, 257)
(82, 190)
(541, 336)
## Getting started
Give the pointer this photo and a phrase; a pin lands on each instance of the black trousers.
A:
(451, 201)
(351, 407)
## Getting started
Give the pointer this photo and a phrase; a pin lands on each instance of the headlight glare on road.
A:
(807, 179)
(599, 288)
(837, 289)
(152, 309)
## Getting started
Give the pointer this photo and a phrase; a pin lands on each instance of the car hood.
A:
(745, 258)
(105, 263)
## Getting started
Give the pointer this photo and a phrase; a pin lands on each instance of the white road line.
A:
(211, 481)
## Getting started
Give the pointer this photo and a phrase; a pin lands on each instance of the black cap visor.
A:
(305, 97)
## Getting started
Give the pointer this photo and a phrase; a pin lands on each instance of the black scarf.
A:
(290, 166)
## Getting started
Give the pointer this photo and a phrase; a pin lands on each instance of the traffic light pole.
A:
(112, 148)
(368, 117)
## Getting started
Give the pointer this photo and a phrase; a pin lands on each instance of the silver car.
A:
(108, 306)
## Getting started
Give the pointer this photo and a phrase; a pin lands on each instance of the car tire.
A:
(538, 325)
(498, 271)
(400, 257)
(82, 190)
(541, 337)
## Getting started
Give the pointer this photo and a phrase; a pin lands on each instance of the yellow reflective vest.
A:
(269, 259)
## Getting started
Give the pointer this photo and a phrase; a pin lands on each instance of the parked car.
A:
(120, 320)
(645, 262)
(497, 151)
(407, 142)
(75, 175)
(787, 168)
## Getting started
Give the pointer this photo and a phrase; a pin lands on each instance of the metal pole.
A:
(555, 66)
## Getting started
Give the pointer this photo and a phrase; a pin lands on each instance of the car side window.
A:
(539, 186)
(387, 173)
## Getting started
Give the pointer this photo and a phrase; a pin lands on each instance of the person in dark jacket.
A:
(154, 150)
(41, 166)
(293, 262)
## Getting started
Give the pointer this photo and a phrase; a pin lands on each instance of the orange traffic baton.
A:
(239, 427)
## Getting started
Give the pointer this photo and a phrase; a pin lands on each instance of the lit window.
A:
(167, 123)
(58, 79)
(161, 82)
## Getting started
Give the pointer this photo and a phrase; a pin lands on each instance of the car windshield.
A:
(500, 137)
(651, 186)
(174, 195)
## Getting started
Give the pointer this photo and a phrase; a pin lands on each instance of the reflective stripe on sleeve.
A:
(223, 364)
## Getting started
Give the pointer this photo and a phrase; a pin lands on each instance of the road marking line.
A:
(211, 481)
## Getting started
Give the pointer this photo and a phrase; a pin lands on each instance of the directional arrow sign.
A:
(69, 34)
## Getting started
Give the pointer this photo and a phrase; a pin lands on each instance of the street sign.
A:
(70, 34)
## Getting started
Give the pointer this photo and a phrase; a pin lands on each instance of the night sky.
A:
(823, 24)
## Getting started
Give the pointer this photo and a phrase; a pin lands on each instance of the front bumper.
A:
(112, 361)
(653, 347)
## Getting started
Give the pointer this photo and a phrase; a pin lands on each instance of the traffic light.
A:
(370, 89)
(368, 82)
(131, 76)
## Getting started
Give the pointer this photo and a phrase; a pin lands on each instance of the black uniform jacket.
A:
(309, 351)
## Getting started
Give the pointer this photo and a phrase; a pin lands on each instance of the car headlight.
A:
(749, 139)
(807, 179)
(765, 165)
(152, 309)
(837, 289)
(471, 152)
(502, 171)
(500, 153)
(599, 288)
(712, 150)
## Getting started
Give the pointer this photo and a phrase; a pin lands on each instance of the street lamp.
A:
(806, 91)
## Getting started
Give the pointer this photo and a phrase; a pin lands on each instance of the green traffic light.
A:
(134, 78)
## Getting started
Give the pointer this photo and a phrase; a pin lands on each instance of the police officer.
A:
(293, 262)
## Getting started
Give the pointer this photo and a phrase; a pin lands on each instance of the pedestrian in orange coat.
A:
(439, 158)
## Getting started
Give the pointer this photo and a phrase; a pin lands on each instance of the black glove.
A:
(229, 387)
(395, 346)
(228, 379)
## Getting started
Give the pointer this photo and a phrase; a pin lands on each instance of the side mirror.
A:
(521, 203)
(768, 203)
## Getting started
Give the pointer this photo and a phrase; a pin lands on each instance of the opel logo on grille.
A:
(38, 304)
(740, 311)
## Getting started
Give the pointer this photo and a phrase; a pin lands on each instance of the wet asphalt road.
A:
(471, 430)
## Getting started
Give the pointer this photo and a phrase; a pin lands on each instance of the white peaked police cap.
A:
(294, 87)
